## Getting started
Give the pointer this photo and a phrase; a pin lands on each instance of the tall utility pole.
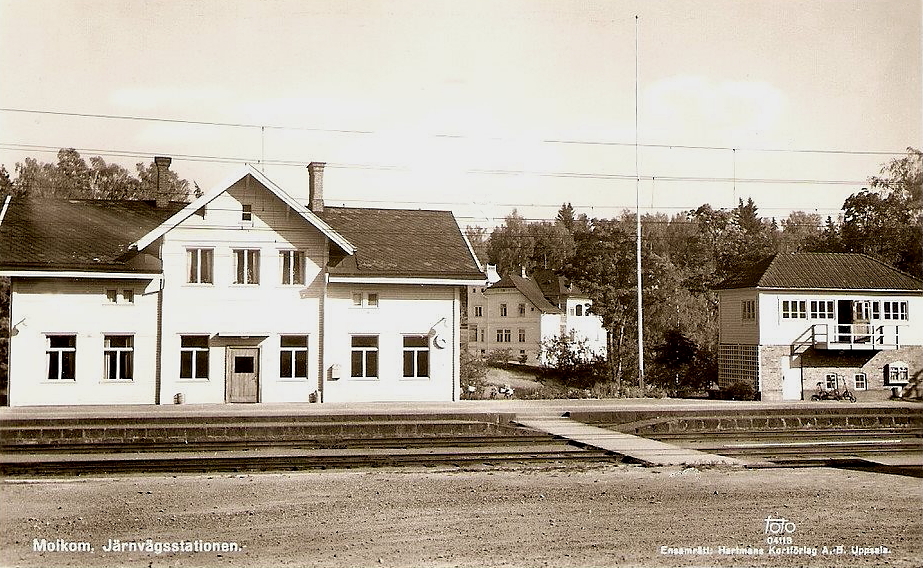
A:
(638, 222)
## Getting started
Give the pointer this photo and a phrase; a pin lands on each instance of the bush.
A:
(473, 372)
(499, 357)
(572, 362)
(738, 391)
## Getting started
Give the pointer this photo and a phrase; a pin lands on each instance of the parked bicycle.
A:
(834, 394)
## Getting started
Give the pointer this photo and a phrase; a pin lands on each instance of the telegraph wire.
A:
(472, 171)
(454, 136)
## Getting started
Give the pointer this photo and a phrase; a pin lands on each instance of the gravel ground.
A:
(527, 515)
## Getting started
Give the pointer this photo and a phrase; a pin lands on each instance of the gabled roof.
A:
(529, 289)
(819, 271)
(214, 192)
(402, 243)
(84, 235)
(553, 285)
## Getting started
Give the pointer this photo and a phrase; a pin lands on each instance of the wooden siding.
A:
(402, 310)
(80, 307)
(237, 315)
(733, 329)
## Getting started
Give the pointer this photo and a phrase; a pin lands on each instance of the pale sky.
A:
(477, 105)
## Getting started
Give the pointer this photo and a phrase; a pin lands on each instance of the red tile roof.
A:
(839, 271)
(402, 243)
(79, 235)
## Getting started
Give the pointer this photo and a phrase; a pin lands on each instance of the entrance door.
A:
(844, 314)
(791, 377)
(243, 376)
(861, 318)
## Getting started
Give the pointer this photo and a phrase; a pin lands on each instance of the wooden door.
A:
(243, 375)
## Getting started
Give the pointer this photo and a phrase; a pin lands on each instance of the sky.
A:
(475, 105)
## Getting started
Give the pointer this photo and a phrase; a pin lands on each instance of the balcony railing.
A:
(855, 336)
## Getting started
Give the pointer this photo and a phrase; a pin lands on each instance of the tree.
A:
(72, 178)
(886, 220)
(478, 238)
(681, 364)
(511, 246)
(603, 267)
(552, 245)
(800, 231)
(6, 184)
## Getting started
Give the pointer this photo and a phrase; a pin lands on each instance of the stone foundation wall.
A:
(815, 364)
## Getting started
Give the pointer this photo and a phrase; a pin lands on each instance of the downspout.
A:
(158, 349)
(456, 344)
(321, 317)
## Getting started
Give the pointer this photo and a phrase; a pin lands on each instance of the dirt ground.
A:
(527, 515)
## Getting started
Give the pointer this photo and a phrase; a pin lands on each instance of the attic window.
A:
(247, 214)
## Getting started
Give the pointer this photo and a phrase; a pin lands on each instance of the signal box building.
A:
(796, 320)
(247, 294)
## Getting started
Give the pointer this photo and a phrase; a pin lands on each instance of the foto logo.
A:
(778, 526)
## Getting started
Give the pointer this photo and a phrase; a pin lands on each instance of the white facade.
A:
(504, 318)
(78, 312)
(231, 319)
(784, 342)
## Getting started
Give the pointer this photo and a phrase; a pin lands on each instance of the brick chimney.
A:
(316, 186)
(161, 165)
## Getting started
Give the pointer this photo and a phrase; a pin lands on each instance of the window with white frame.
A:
(578, 310)
(246, 266)
(193, 357)
(504, 335)
(794, 309)
(292, 265)
(503, 310)
(895, 310)
(118, 357)
(830, 381)
(61, 353)
(522, 310)
(246, 213)
(483, 336)
(365, 299)
(478, 311)
(748, 310)
(897, 373)
(522, 335)
(200, 265)
(860, 380)
(821, 309)
(293, 356)
(364, 356)
(416, 356)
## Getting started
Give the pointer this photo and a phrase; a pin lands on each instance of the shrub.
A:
(739, 391)
(572, 362)
(499, 357)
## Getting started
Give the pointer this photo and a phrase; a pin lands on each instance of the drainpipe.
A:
(158, 349)
(321, 315)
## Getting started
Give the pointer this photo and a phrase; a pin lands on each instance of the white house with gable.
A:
(520, 314)
(250, 293)
(796, 320)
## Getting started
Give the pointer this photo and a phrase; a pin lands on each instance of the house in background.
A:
(516, 313)
(795, 320)
(248, 294)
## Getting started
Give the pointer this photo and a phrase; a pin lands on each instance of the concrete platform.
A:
(644, 450)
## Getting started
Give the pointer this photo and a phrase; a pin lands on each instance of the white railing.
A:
(855, 336)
